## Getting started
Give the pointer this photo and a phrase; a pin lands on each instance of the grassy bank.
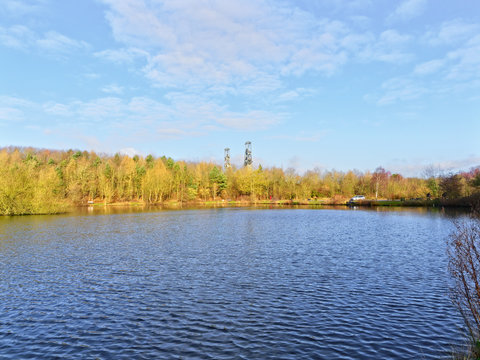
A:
(44, 206)
(465, 202)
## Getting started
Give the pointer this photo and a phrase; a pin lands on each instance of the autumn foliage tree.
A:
(36, 181)
(451, 186)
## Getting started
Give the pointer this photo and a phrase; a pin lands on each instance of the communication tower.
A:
(248, 154)
(227, 158)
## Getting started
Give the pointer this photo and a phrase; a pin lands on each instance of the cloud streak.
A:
(455, 69)
(408, 9)
(421, 166)
(51, 42)
(18, 8)
(177, 116)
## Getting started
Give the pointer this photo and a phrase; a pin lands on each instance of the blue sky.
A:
(343, 84)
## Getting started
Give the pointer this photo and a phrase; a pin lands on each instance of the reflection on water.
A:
(122, 209)
(112, 282)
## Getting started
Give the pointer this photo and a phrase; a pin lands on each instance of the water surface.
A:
(226, 283)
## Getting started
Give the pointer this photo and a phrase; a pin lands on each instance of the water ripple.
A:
(224, 284)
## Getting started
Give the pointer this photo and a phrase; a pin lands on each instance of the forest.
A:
(41, 181)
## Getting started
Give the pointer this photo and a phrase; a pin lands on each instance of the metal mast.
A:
(227, 158)
(248, 154)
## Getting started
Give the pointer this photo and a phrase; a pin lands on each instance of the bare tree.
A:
(379, 180)
(432, 171)
(464, 267)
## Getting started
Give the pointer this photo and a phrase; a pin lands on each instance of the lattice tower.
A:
(227, 158)
(248, 154)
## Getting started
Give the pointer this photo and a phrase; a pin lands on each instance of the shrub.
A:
(464, 267)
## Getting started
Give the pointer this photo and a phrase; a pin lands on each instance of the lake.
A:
(227, 283)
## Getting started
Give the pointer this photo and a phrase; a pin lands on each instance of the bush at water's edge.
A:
(464, 267)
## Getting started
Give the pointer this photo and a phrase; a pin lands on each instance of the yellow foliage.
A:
(43, 181)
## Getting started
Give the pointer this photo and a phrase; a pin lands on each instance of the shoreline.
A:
(314, 203)
(464, 202)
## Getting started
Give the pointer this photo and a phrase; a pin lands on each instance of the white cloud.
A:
(337, 7)
(262, 82)
(466, 60)
(294, 94)
(198, 110)
(122, 56)
(357, 42)
(288, 96)
(91, 75)
(393, 37)
(361, 21)
(225, 45)
(178, 115)
(246, 49)
(400, 89)
(429, 67)
(390, 47)
(57, 109)
(459, 68)
(10, 114)
(13, 109)
(130, 151)
(451, 32)
(408, 9)
(456, 71)
(19, 8)
(17, 36)
(100, 110)
(422, 167)
(113, 89)
(52, 42)
(55, 42)
(131, 21)
(15, 101)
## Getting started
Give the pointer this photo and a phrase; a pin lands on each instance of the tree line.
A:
(47, 181)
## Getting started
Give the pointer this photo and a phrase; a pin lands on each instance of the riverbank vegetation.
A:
(36, 181)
